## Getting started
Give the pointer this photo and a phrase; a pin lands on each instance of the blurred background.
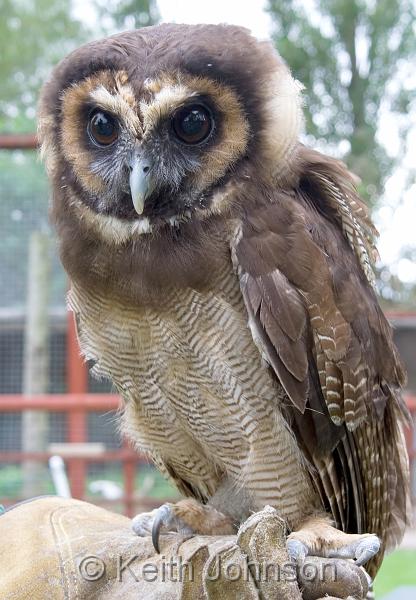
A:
(356, 58)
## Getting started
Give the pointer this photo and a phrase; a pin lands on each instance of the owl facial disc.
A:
(141, 185)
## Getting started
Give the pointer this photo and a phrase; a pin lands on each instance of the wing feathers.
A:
(276, 347)
(305, 259)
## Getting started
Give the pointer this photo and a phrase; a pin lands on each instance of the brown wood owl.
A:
(221, 277)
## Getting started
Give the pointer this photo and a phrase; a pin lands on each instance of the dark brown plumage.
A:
(301, 411)
(329, 345)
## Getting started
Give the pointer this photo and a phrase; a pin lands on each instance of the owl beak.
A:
(140, 183)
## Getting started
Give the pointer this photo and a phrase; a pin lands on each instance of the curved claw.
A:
(142, 523)
(297, 550)
(161, 519)
(366, 549)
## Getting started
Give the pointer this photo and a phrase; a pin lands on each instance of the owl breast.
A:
(197, 397)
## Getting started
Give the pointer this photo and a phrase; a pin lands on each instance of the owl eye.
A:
(192, 124)
(102, 128)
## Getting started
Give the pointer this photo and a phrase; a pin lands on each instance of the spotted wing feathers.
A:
(304, 258)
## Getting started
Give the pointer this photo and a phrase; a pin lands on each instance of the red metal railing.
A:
(20, 141)
(77, 403)
(77, 383)
(77, 407)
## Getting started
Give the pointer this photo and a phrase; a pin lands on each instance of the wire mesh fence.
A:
(98, 464)
(100, 467)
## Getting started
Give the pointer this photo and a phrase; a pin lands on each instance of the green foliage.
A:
(398, 569)
(347, 54)
(34, 35)
(23, 209)
(10, 481)
(129, 14)
(396, 294)
(147, 479)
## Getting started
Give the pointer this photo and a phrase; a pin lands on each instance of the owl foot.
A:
(187, 517)
(317, 537)
(143, 522)
(317, 543)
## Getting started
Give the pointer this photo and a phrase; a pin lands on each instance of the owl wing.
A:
(304, 258)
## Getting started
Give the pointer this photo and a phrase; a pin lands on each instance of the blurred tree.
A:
(398, 292)
(34, 35)
(128, 14)
(348, 54)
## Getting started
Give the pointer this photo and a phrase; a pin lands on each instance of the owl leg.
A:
(317, 537)
(187, 517)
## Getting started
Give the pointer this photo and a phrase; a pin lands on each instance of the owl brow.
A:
(117, 105)
(165, 102)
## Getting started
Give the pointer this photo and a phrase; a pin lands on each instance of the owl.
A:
(222, 277)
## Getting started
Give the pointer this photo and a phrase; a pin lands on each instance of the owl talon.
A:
(319, 538)
(164, 518)
(366, 549)
(360, 550)
(338, 554)
(160, 520)
(142, 523)
(297, 550)
(169, 518)
(187, 517)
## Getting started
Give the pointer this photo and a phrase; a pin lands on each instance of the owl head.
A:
(152, 128)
